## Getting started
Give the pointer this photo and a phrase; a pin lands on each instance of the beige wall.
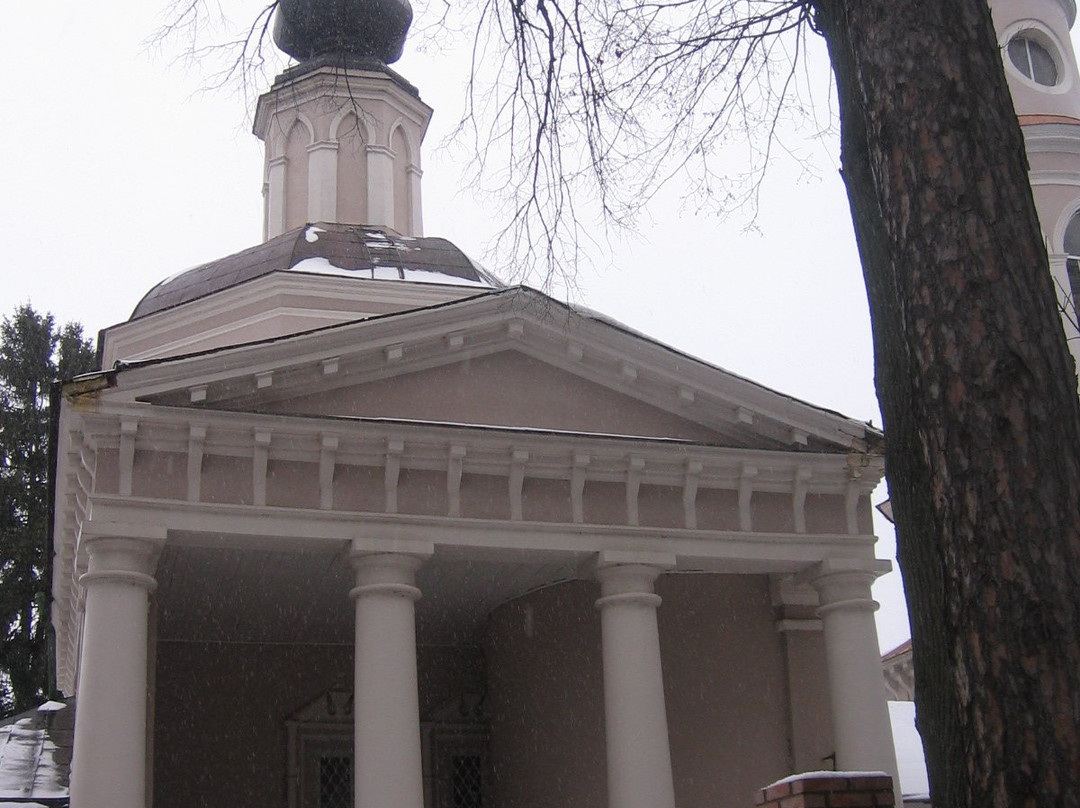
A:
(808, 688)
(352, 183)
(547, 700)
(725, 679)
(506, 389)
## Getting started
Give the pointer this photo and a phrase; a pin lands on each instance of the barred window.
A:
(335, 781)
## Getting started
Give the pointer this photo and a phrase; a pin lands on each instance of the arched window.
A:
(1072, 261)
(1072, 237)
(1033, 59)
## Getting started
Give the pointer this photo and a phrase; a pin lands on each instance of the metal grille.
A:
(335, 782)
(467, 781)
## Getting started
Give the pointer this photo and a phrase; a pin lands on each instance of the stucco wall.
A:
(726, 690)
(547, 701)
(725, 680)
(507, 389)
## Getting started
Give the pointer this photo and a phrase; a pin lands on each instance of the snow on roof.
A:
(825, 774)
(35, 754)
(358, 251)
(910, 761)
(322, 266)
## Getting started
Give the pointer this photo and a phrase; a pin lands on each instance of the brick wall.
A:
(829, 790)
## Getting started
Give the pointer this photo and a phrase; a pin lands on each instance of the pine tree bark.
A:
(978, 395)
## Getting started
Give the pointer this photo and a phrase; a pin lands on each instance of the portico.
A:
(273, 550)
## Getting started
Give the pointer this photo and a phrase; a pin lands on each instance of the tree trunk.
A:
(977, 391)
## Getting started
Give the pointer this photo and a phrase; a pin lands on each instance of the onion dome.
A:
(375, 29)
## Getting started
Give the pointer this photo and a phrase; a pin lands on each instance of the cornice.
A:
(274, 289)
(1052, 138)
(514, 319)
(350, 85)
(489, 449)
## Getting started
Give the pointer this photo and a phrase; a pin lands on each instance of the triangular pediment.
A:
(508, 388)
(513, 358)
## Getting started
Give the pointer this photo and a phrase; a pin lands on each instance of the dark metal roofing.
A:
(368, 251)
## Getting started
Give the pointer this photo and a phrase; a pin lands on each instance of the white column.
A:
(386, 713)
(416, 213)
(380, 168)
(635, 716)
(862, 731)
(322, 181)
(275, 197)
(110, 757)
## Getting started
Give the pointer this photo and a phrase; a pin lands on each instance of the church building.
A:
(345, 522)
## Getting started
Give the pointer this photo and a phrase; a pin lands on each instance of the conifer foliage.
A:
(34, 352)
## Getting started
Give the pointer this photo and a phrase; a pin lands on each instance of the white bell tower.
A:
(342, 130)
(342, 145)
(1041, 68)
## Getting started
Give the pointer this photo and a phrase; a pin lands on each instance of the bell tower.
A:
(1041, 68)
(342, 130)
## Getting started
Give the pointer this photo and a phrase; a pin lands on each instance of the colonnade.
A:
(109, 765)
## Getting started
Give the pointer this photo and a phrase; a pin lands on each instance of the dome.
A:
(343, 250)
(305, 29)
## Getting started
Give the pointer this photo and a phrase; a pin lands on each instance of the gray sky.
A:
(117, 171)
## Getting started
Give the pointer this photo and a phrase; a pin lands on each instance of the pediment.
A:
(513, 358)
(331, 707)
(508, 389)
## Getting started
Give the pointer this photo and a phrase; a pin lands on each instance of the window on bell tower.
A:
(1033, 60)
(1072, 262)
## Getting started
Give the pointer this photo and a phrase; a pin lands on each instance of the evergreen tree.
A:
(34, 352)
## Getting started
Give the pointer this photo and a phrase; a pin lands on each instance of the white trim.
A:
(368, 135)
(332, 83)
(700, 550)
(1065, 178)
(661, 371)
(187, 317)
(1052, 137)
(413, 155)
(1057, 239)
(1038, 32)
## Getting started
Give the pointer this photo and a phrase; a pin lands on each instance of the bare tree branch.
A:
(600, 105)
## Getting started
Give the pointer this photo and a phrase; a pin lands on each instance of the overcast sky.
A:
(117, 171)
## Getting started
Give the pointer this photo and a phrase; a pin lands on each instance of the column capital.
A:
(323, 145)
(114, 557)
(843, 584)
(386, 574)
(628, 577)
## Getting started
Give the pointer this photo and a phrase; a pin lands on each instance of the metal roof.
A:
(365, 251)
